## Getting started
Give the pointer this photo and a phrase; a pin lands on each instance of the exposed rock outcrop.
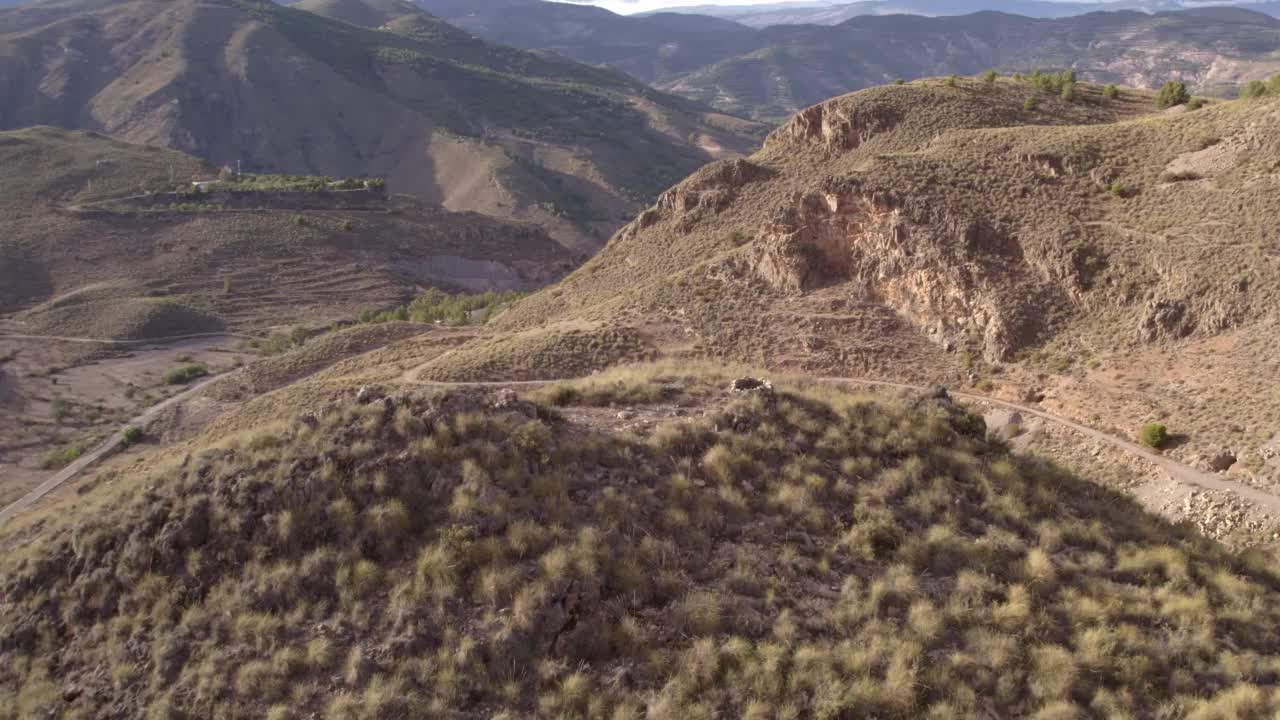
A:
(951, 279)
(834, 125)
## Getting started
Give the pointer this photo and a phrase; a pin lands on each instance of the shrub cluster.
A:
(185, 374)
(1260, 88)
(437, 306)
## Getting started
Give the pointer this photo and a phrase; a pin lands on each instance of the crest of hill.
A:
(76, 266)
(983, 223)
(781, 555)
(443, 116)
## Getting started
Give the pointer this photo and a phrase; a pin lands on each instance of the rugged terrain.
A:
(763, 553)
(98, 256)
(773, 72)
(987, 233)
(526, 519)
(443, 116)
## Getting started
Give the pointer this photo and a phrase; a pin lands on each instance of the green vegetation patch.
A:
(437, 306)
(185, 374)
(1153, 435)
(61, 457)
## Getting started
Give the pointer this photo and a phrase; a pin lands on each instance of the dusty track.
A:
(142, 341)
(1178, 472)
(1184, 474)
(107, 447)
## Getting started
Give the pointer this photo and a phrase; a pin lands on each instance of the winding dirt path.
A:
(142, 341)
(1178, 472)
(105, 448)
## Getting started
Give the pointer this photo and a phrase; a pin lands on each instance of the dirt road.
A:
(107, 447)
(1177, 471)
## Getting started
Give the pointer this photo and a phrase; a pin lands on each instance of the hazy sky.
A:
(630, 6)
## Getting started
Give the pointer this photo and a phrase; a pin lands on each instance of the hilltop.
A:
(474, 554)
(441, 115)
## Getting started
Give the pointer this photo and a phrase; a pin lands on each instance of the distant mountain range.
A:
(833, 13)
(772, 72)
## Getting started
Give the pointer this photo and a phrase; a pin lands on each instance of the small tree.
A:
(132, 435)
(1068, 92)
(1254, 89)
(1154, 435)
(989, 77)
(1173, 93)
(1111, 92)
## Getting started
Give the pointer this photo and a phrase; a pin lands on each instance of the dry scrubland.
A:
(770, 555)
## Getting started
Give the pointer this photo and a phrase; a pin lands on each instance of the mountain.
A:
(834, 13)
(78, 260)
(801, 65)
(774, 72)
(652, 48)
(443, 116)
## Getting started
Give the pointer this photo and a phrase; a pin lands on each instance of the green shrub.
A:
(1254, 89)
(899, 81)
(1173, 92)
(185, 374)
(953, 81)
(437, 306)
(1111, 92)
(989, 77)
(1153, 435)
(132, 435)
(1197, 103)
(62, 457)
(1119, 190)
(1030, 104)
(1068, 92)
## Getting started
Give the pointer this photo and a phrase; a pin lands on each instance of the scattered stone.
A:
(750, 384)
(1222, 461)
(625, 415)
(367, 394)
(505, 399)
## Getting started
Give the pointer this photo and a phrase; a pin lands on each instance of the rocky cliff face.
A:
(947, 278)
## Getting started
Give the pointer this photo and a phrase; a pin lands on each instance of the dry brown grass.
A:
(782, 556)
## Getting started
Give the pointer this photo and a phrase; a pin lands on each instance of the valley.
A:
(355, 367)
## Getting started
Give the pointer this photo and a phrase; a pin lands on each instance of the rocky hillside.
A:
(773, 72)
(474, 554)
(443, 116)
(958, 232)
(73, 264)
